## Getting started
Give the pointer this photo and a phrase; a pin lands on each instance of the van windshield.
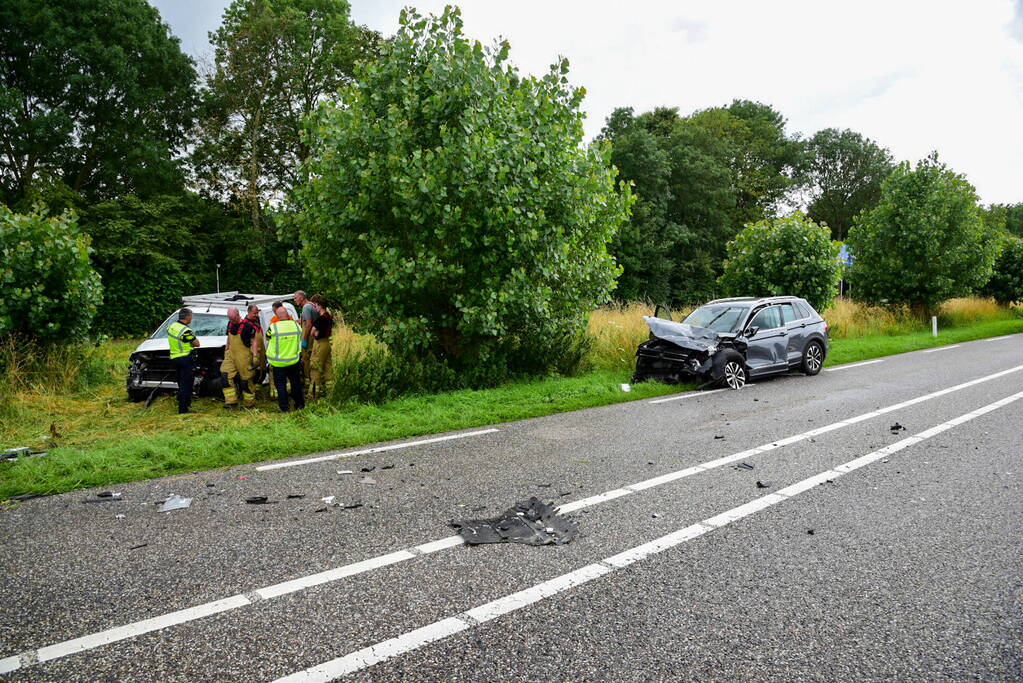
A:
(203, 325)
(720, 318)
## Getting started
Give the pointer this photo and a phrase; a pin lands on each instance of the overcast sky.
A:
(914, 75)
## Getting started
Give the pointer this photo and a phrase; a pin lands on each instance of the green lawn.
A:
(132, 443)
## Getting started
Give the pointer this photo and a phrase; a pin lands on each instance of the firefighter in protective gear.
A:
(319, 359)
(181, 341)
(284, 352)
(262, 374)
(238, 368)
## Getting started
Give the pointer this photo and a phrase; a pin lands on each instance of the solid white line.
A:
(688, 394)
(181, 616)
(852, 365)
(942, 348)
(9, 664)
(413, 640)
(378, 449)
(997, 338)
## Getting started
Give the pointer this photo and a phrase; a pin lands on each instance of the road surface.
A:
(868, 554)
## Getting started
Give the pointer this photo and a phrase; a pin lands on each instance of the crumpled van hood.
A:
(682, 335)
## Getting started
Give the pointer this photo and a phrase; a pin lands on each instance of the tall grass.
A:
(850, 319)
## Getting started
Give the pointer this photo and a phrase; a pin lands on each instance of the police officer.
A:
(239, 361)
(284, 352)
(181, 341)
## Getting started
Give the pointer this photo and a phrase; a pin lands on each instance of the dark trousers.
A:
(293, 374)
(186, 376)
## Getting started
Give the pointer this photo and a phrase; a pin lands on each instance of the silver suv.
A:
(729, 341)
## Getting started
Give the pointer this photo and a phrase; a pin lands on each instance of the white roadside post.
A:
(934, 325)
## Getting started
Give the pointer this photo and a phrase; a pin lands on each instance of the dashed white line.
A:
(378, 449)
(998, 338)
(413, 640)
(199, 611)
(688, 394)
(941, 348)
(853, 365)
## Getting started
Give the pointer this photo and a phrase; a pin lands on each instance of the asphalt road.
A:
(913, 569)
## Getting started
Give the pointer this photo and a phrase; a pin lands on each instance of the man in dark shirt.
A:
(181, 341)
(319, 360)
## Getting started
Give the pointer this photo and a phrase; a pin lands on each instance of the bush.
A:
(791, 255)
(452, 209)
(923, 243)
(48, 287)
(1006, 283)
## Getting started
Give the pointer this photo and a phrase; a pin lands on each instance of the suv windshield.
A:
(203, 325)
(720, 318)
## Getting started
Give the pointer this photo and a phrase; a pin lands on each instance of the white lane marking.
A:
(688, 394)
(997, 338)
(9, 664)
(378, 449)
(173, 618)
(852, 365)
(413, 640)
(941, 348)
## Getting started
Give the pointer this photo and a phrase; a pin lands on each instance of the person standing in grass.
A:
(319, 359)
(307, 314)
(284, 353)
(238, 367)
(181, 341)
(259, 352)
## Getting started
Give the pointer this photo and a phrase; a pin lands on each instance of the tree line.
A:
(446, 200)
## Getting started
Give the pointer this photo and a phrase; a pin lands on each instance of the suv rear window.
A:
(203, 325)
(805, 310)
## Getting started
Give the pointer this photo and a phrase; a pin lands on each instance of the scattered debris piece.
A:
(545, 486)
(243, 477)
(257, 500)
(896, 428)
(885, 460)
(140, 545)
(810, 531)
(388, 467)
(210, 485)
(14, 453)
(175, 502)
(532, 522)
(352, 506)
(119, 516)
(292, 496)
(321, 510)
(656, 515)
(345, 472)
(763, 484)
(564, 493)
(626, 387)
(328, 500)
(104, 497)
(369, 468)
(743, 466)
(27, 496)
(370, 481)
(481, 508)
(719, 436)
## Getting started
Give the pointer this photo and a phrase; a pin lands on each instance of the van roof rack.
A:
(229, 298)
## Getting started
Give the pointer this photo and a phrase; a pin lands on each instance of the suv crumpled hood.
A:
(684, 336)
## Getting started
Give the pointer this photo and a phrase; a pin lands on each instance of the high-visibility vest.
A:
(178, 347)
(285, 346)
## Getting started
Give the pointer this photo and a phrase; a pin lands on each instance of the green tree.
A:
(1006, 283)
(791, 255)
(844, 172)
(1004, 218)
(49, 288)
(274, 61)
(96, 93)
(924, 242)
(451, 208)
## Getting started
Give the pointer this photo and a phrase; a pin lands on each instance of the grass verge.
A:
(132, 443)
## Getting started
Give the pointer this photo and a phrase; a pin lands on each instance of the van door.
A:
(767, 349)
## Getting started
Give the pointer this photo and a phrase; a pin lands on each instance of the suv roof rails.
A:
(228, 298)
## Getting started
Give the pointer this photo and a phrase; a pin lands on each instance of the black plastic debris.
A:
(744, 466)
(104, 497)
(545, 486)
(532, 522)
(763, 484)
(896, 428)
(351, 506)
(369, 468)
(140, 545)
(292, 496)
(809, 531)
(257, 500)
(387, 467)
(719, 436)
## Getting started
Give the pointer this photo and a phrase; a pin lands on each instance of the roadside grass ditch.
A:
(95, 437)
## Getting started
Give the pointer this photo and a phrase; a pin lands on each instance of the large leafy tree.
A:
(1006, 283)
(1004, 218)
(791, 255)
(924, 242)
(274, 61)
(96, 93)
(844, 172)
(451, 208)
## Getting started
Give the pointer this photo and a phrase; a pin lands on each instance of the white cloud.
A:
(914, 75)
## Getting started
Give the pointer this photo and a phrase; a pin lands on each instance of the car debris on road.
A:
(175, 502)
(532, 522)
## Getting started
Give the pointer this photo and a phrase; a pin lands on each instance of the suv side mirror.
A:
(752, 330)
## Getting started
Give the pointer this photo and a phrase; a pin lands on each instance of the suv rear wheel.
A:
(813, 358)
